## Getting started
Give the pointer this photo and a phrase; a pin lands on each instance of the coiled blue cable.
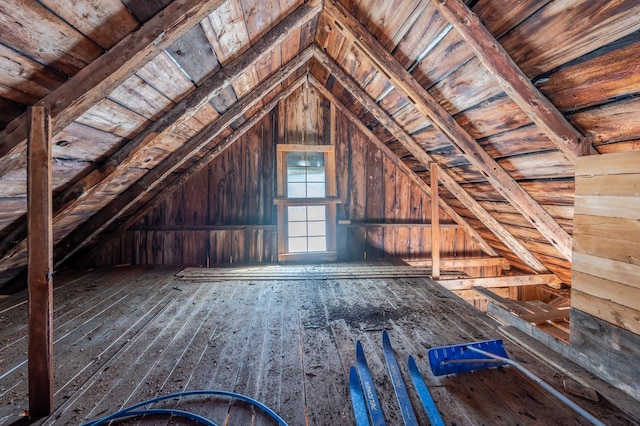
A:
(133, 411)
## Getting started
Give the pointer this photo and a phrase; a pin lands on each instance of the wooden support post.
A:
(40, 262)
(435, 225)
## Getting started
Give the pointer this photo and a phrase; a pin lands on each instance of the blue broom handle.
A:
(584, 413)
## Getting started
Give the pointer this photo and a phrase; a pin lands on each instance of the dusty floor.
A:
(124, 335)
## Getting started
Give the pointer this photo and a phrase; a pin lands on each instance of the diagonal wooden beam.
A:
(137, 211)
(370, 104)
(490, 222)
(426, 104)
(407, 141)
(513, 81)
(114, 210)
(95, 81)
(132, 151)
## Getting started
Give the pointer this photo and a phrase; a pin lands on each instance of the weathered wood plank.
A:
(146, 10)
(491, 223)
(507, 281)
(595, 81)
(193, 52)
(609, 227)
(606, 310)
(40, 261)
(621, 250)
(141, 97)
(512, 80)
(609, 269)
(51, 40)
(608, 206)
(226, 30)
(607, 290)
(165, 76)
(111, 117)
(16, 82)
(612, 164)
(104, 22)
(464, 263)
(95, 81)
(581, 28)
(605, 348)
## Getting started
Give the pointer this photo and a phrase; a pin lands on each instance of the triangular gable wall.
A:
(225, 213)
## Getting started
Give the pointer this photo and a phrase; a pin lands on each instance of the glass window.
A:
(306, 229)
(306, 176)
(306, 199)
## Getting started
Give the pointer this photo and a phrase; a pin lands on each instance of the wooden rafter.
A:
(95, 81)
(164, 189)
(490, 222)
(427, 105)
(114, 210)
(408, 142)
(512, 80)
(359, 93)
(128, 155)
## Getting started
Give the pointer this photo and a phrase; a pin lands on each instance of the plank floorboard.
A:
(123, 335)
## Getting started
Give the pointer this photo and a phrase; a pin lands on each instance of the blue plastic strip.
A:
(357, 399)
(408, 416)
(425, 396)
(369, 390)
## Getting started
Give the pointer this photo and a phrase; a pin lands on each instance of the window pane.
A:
(297, 213)
(317, 244)
(315, 190)
(315, 174)
(297, 229)
(296, 174)
(316, 212)
(297, 190)
(298, 245)
(315, 159)
(295, 159)
(317, 229)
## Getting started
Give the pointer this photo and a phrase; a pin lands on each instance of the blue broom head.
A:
(455, 359)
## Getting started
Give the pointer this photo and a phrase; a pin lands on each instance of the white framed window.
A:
(306, 202)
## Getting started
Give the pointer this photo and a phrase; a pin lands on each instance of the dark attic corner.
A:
(303, 212)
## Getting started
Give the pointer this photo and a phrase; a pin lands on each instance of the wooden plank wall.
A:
(225, 213)
(605, 295)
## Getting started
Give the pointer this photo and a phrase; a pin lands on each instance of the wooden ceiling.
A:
(501, 96)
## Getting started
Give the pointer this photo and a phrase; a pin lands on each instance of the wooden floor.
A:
(124, 335)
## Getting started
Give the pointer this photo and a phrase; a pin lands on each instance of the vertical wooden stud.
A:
(435, 224)
(40, 262)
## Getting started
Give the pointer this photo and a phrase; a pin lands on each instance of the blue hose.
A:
(132, 410)
(152, 411)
